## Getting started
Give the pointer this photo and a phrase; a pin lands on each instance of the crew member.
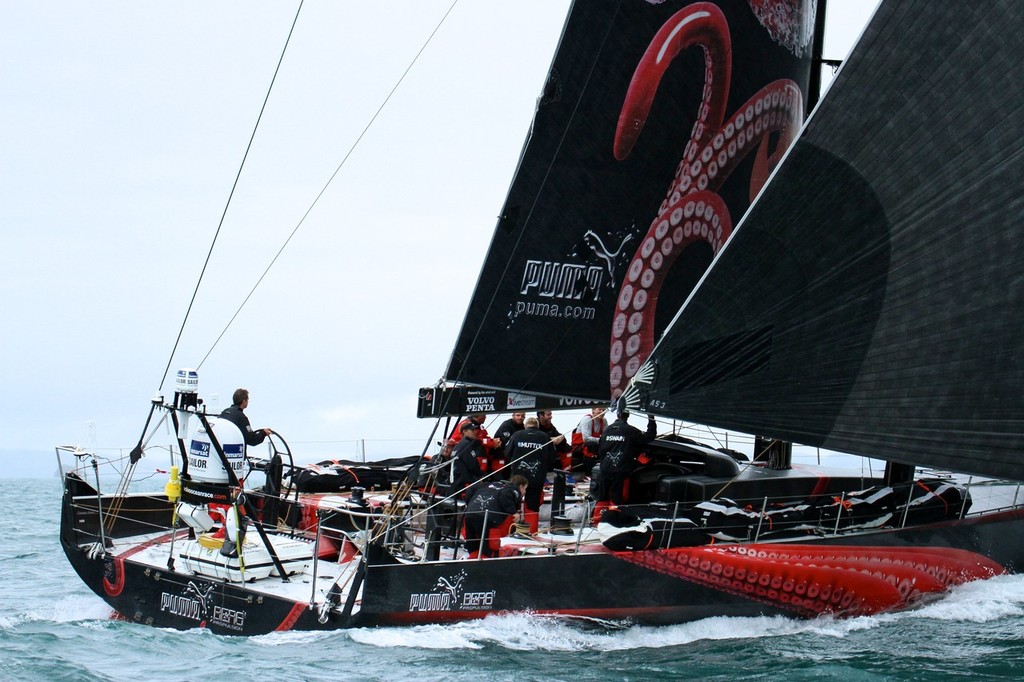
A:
(442, 465)
(487, 449)
(236, 415)
(586, 438)
(561, 446)
(532, 455)
(509, 427)
(489, 513)
(465, 468)
(504, 433)
(619, 447)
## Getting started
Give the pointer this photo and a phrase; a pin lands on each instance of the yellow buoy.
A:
(173, 487)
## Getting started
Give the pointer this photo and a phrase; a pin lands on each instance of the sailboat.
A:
(678, 240)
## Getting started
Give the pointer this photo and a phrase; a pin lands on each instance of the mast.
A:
(817, 54)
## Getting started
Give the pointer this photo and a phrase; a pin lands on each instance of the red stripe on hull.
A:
(293, 616)
(115, 588)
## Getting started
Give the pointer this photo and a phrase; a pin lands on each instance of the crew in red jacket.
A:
(585, 440)
(487, 448)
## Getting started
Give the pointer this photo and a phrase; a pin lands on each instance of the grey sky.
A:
(123, 124)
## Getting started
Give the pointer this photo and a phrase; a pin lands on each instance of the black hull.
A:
(167, 600)
(650, 587)
(140, 594)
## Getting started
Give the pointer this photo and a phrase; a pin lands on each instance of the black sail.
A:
(619, 142)
(871, 300)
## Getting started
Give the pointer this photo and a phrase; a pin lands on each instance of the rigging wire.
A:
(231, 194)
(323, 190)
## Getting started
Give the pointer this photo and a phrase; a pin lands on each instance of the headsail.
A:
(872, 299)
(658, 123)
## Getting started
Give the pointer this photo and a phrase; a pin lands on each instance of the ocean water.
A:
(53, 628)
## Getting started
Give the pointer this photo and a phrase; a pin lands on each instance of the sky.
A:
(122, 127)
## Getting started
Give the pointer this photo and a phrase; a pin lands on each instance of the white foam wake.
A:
(976, 602)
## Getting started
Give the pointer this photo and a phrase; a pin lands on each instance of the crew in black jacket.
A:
(532, 455)
(509, 427)
(235, 415)
(491, 508)
(560, 442)
(502, 435)
(466, 468)
(618, 450)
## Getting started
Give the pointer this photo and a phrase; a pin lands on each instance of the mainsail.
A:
(871, 301)
(658, 120)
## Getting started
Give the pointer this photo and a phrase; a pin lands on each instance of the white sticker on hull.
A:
(449, 594)
(194, 604)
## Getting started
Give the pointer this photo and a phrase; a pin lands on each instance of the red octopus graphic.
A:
(811, 581)
(692, 210)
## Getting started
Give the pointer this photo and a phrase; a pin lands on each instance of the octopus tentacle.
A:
(691, 210)
(789, 117)
(700, 24)
(777, 107)
(699, 216)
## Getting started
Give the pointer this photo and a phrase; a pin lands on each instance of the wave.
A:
(64, 610)
(978, 602)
